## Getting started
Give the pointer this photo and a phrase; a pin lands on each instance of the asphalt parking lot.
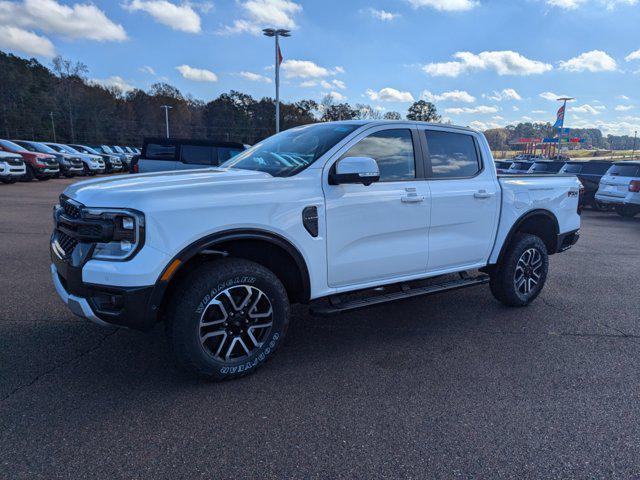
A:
(454, 385)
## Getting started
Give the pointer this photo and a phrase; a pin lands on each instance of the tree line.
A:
(59, 102)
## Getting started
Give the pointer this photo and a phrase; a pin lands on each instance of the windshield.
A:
(106, 149)
(12, 146)
(117, 149)
(290, 152)
(68, 149)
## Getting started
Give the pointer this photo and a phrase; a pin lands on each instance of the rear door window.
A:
(156, 151)
(452, 155)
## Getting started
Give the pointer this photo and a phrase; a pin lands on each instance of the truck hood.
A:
(143, 190)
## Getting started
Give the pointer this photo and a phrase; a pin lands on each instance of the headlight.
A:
(127, 236)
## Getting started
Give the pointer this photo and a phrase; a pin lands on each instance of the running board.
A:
(336, 306)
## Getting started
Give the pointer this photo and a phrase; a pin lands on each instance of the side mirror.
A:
(362, 170)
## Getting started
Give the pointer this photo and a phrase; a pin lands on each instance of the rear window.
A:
(452, 155)
(573, 168)
(624, 170)
(502, 164)
(198, 155)
(596, 168)
(225, 153)
(156, 151)
(521, 166)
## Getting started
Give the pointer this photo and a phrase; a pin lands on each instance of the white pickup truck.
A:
(336, 215)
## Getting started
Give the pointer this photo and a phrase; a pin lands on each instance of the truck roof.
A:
(413, 122)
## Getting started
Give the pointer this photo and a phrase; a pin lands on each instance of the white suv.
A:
(12, 167)
(620, 187)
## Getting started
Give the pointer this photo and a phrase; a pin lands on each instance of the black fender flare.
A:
(209, 241)
(518, 223)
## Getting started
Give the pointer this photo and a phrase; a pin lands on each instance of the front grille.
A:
(51, 163)
(70, 209)
(67, 244)
(14, 162)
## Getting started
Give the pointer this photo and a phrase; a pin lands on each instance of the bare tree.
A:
(69, 74)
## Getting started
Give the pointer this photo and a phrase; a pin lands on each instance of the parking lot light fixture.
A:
(166, 116)
(277, 33)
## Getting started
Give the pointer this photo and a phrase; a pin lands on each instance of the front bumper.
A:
(567, 240)
(104, 305)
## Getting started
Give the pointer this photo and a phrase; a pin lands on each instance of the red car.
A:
(39, 165)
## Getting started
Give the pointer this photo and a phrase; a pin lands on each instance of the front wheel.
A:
(227, 318)
(522, 272)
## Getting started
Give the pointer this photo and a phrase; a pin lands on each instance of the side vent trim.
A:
(310, 220)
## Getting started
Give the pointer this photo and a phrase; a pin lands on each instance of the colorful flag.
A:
(560, 118)
(279, 56)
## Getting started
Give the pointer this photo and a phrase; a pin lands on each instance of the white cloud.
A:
(593, 61)
(17, 39)
(633, 56)
(574, 4)
(178, 17)
(259, 14)
(622, 97)
(539, 112)
(624, 108)
(339, 84)
(114, 82)
(389, 95)
(478, 125)
(479, 109)
(197, 74)
(551, 96)
(566, 4)
(506, 94)
(147, 69)
(255, 77)
(307, 69)
(453, 96)
(80, 20)
(504, 62)
(445, 5)
(382, 15)
(337, 96)
(586, 108)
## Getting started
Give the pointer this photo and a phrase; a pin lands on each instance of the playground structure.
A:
(545, 147)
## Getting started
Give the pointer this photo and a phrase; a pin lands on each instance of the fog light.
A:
(127, 223)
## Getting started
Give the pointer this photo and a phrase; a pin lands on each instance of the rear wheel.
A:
(522, 273)
(599, 206)
(227, 318)
(627, 211)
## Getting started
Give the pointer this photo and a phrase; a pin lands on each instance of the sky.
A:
(484, 63)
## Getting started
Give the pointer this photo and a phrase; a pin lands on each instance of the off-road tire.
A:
(503, 276)
(627, 211)
(191, 302)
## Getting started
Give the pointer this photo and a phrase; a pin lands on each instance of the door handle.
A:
(412, 198)
(482, 194)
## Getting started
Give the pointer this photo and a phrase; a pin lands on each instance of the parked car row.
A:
(607, 185)
(26, 160)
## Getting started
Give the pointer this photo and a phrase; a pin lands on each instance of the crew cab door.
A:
(380, 231)
(465, 199)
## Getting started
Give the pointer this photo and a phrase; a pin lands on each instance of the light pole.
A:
(561, 127)
(166, 116)
(53, 127)
(635, 137)
(277, 33)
